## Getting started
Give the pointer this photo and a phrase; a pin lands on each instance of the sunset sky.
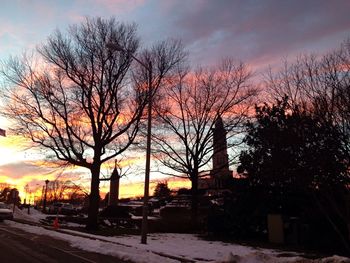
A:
(260, 33)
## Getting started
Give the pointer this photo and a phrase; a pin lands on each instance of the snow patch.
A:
(168, 247)
(33, 216)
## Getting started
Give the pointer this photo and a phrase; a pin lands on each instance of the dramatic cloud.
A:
(254, 31)
(257, 30)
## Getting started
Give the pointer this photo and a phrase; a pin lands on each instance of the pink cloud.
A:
(254, 30)
(118, 6)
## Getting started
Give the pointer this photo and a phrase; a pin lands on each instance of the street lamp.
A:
(144, 226)
(44, 203)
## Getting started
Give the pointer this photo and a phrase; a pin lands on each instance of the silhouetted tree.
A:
(291, 152)
(5, 192)
(319, 85)
(4, 186)
(10, 195)
(186, 112)
(59, 190)
(76, 194)
(162, 191)
(81, 105)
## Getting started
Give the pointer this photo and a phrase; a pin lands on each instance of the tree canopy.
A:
(289, 149)
(297, 163)
(162, 191)
(85, 101)
(186, 113)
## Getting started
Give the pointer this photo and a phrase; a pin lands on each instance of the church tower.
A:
(114, 188)
(220, 174)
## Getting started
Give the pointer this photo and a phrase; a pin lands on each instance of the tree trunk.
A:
(94, 199)
(194, 201)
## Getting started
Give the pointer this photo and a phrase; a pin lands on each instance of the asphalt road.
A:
(17, 246)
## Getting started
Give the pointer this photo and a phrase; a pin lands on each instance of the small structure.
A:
(275, 228)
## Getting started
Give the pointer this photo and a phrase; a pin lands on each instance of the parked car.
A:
(5, 212)
(62, 208)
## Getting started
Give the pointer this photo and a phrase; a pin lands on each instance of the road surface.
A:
(17, 246)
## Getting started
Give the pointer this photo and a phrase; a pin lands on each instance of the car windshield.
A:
(2, 206)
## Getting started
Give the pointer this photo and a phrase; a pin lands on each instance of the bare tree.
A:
(77, 193)
(81, 106)
(4, 186)
(59, 190)
(56, 190)
(320, 85)
(186, 112)
(86, 105)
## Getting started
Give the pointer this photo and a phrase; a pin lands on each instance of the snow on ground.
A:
(189, 246)
(33, 216)
(163, 247)
(94, 245)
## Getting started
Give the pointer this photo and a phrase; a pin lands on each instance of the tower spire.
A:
(220, 172)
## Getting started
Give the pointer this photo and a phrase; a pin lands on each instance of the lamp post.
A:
(44, 203)
(144, 226)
